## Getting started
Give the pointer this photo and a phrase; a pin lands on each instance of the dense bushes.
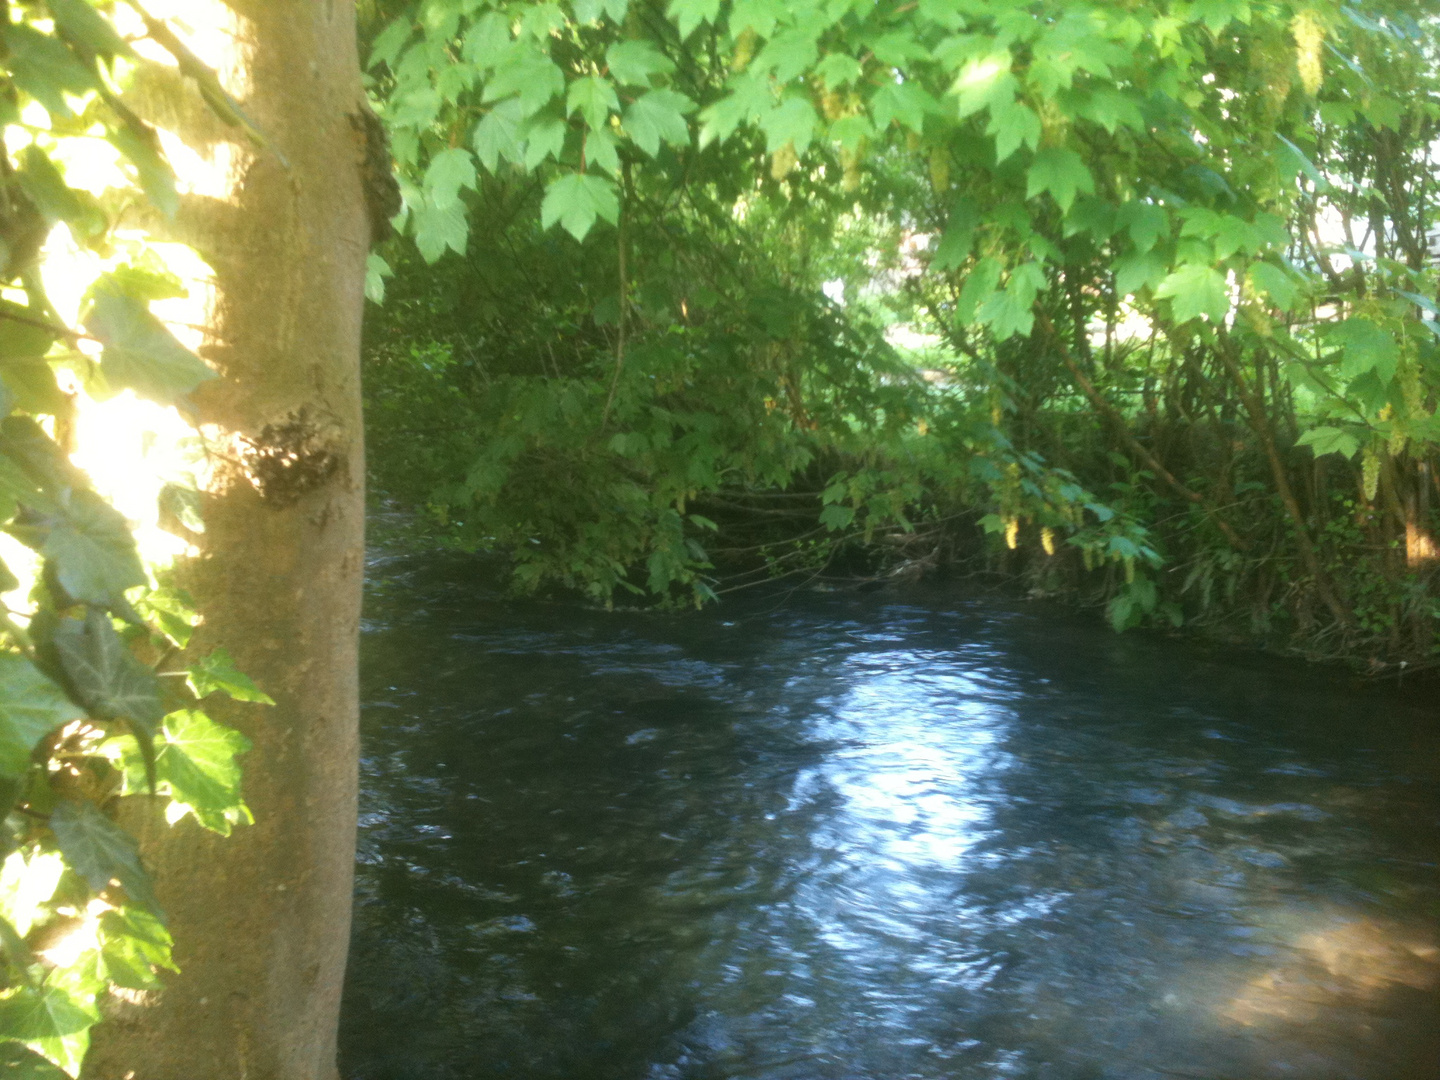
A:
(1134, 304)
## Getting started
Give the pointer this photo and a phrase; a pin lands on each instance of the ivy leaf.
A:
(32, 1013)
(631, 63)
(1330, 440)
(132, 944)
(84, 27)
(105, 675)
(140, 353)
(593, 98)
(1195, 290)
(449, 171)
(42, 181)
(45, 68)
(217, 673)
(197, 762)
(1060, 171)
(659, 116)
(17, 488)
(101, 852)
(576, 200)
(31, 706)
(19, 1062)
(173, 611)
(157, 178)
(90, 549)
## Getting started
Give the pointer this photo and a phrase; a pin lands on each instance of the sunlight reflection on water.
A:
(881, 842)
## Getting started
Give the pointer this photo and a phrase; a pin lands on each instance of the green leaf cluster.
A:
(92, 702)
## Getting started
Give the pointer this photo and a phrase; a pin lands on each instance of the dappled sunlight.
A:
(211, 31)
(1345, 962)
(132, 447)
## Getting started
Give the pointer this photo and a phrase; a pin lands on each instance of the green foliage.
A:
(91, 702)
(1172, 255)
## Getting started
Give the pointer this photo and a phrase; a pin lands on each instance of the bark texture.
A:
(261, 920)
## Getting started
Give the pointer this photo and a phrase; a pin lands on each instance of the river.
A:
(899, 835)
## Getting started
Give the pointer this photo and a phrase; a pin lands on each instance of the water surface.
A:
(880, 837)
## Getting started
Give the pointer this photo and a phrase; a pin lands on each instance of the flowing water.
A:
(879, 837)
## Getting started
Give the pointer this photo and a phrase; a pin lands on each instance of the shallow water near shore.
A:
(897, 835)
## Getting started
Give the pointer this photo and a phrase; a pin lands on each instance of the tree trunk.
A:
(261, 919)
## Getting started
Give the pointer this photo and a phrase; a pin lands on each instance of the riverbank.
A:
(964, 560)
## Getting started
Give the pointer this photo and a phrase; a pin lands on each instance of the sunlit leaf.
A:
(197, 760)
(33, 1013)
(140, 353)
(89, 544)
(133, 942)
(45, 68)
(217, 673)
(31, 707)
